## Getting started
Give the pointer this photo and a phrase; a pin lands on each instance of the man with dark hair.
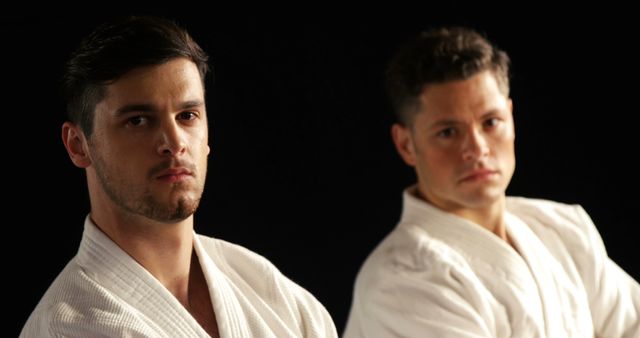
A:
(465, 260)
(138, 125)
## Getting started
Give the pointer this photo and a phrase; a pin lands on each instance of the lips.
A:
(480, 174)
(174, 171)
(174, 174)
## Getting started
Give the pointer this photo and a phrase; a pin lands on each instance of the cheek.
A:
(203, 149)
(438, 162)
(202, 139)
(203, 154)
(441, 154)
(505, 149)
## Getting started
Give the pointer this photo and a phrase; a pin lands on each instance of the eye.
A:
(446, 133)
(187, 115)
(492, 122)
(137, 121)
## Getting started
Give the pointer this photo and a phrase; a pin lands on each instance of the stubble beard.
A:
(142, 202)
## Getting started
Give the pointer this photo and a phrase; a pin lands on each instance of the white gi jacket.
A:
(439, 275)
(103, 292)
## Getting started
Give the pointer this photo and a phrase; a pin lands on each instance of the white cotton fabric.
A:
(439, 275)
(103, 292)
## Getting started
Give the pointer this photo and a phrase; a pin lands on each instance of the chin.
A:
(174, 214)
(484, 198)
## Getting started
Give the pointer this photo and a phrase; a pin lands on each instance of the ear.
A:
(76, 145)
(404, 143)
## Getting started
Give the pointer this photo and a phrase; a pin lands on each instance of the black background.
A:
(302, 169)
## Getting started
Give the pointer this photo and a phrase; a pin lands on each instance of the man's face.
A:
(461, 143)
(149, 147)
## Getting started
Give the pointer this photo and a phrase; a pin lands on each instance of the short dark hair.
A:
(436, 56)
(115, 48)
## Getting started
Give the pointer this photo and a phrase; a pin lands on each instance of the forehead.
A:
(173, 75)
(476, 95)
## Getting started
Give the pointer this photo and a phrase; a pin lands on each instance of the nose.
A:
(171, 140)
(475, 146)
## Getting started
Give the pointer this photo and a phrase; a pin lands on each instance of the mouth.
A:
(478, 175)
(172, 175)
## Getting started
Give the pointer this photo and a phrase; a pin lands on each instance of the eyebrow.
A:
(149, 108)
(451, 122)
(444, 123)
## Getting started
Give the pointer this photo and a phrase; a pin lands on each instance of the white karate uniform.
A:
(439, 275)
(104, 292)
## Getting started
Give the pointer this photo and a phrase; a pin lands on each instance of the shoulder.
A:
(411, 248)
(409, 257)
(413, 275)
(231, 256)
(74, 304)
(524, 204)
(259, 280)
(544, 213)
(559, 225)
(239, 262)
